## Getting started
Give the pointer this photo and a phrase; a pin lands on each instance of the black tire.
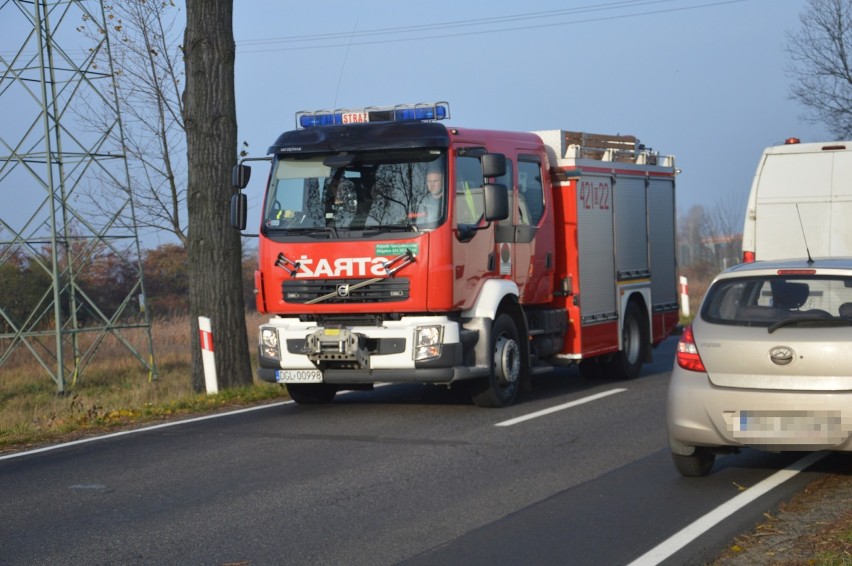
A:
(627, 363)
(311, 393)
(500, 388)
(695, 466)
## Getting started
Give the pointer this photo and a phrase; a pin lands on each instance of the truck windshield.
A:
(375, 191)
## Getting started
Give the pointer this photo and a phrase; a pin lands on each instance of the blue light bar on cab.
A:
(398, 113)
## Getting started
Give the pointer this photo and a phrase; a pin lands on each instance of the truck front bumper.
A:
(395, 352)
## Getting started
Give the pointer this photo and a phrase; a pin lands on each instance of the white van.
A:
(807, 181)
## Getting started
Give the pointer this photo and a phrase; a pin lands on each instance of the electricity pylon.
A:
(61, 146)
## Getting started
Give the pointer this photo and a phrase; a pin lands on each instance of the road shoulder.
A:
(814, 527)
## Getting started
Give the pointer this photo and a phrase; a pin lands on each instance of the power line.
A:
(456, 23)
(497, 20)
(348, 39)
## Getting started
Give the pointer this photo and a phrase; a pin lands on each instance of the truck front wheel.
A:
(500, 388)
(311, 393)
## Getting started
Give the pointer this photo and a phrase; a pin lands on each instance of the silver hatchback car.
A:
(767, 363)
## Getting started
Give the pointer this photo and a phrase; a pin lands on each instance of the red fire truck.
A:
(394, 248)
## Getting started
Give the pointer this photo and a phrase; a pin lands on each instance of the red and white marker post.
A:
(207, 356)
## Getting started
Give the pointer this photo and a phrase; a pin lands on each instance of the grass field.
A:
(114, 389)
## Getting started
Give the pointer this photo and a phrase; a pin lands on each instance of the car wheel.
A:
(627, 363)
(696, 465)
(311, 393)
(500, 388)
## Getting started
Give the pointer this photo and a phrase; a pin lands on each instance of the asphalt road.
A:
(401, 475)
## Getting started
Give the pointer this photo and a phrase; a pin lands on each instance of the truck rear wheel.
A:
(311, 393)
(627, 363)
(500, 388)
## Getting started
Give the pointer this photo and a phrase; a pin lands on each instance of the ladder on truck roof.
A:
(601, 147)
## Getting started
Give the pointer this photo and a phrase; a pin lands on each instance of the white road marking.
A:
(153, 427)
(261, 407)
(691, 532)
(143, 429)
(557, 408)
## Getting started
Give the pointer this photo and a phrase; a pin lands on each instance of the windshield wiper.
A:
(390, 228)
(815, 321)
(310, 230)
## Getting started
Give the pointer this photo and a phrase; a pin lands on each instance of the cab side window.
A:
(530, 190)
(469, 201)
(522, 218)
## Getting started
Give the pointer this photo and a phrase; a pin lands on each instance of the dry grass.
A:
(114, 389)
(814, 528)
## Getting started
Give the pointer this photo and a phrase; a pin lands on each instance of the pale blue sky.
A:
(704, 80)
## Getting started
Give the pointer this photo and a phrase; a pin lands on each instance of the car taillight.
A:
(687, 353)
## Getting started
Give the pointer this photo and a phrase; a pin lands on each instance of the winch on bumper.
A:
(338, 345)
(422, 349)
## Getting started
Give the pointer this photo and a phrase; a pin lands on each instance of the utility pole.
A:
(61, 143)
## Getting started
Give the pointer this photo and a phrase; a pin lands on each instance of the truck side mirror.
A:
(240, 176)
(239, 210)
(493, 165)
(496, 201)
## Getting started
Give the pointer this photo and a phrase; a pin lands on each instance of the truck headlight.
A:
(427, 342)
(269, 343)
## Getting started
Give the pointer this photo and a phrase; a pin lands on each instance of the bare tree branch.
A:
(147, 57)
(820, 64)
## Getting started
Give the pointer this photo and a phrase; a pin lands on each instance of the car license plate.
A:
(298, 376)
(791, 425)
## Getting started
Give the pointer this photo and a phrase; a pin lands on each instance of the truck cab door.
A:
(525, 241)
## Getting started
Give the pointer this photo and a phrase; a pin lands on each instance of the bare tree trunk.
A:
(215, 253)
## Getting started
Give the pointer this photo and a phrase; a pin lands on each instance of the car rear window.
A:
(763, 301)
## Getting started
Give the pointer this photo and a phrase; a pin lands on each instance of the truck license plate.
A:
(298, 376)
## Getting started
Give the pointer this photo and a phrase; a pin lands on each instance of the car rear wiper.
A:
(813, 321)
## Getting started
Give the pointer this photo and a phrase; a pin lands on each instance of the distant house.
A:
(721, 251)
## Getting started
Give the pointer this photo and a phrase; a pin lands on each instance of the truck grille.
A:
(382, 291)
